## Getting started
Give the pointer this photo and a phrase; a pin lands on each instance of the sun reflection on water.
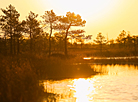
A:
(84, 89)
(117, 84)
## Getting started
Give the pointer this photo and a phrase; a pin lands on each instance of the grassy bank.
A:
(20, 75)
(19, 82)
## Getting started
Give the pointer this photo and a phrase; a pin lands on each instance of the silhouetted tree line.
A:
(124, 41)
(36, 36)
(52, 33)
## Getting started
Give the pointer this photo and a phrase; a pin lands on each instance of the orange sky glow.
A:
(106, 16)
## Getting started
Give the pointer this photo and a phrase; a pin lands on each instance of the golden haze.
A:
(106, 16)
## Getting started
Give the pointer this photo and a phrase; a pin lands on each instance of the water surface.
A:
(118, 83)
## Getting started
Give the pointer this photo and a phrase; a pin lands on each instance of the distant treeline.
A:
(52, 34)
(124, 42)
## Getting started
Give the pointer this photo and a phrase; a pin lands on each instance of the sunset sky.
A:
(106, 16)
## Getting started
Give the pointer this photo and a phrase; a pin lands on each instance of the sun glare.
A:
(87, 7)
(99, 14)
(84, 90)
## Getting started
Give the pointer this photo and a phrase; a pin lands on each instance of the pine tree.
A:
(70, 20)
(9, 22)
(50, 19)
(32, 28)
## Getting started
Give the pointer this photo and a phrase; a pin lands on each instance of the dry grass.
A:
(19, 75)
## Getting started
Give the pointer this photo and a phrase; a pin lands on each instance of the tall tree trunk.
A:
(50, 39)
(10, 34)
(49, 46)
(30, 40)
(18, 45)
(14, 43)
(81, 45)
(5, 46)
(33, 40)
(101, 48)
(66, 50)
(11, 44)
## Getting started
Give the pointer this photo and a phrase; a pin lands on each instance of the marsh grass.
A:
(20, 74)
(19, 82)
(106, 52)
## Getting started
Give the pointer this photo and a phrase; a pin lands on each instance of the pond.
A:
(117, 83)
